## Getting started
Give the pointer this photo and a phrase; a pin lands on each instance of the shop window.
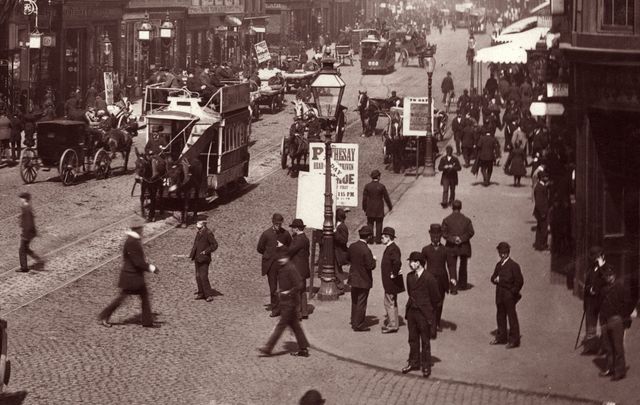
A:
(617, 14)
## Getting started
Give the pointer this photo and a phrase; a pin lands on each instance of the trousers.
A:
(288, 318)
(25, 251)
(486, 167)
(613, 340)
(377, 229)
(143, 293)
(202, 279)
(448, 191)
(359, 297)
(419, 339)
(391, 308)
(506, 310)
(272, 278)
(458, 274)
(303, 310)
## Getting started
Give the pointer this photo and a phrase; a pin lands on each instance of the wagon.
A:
(67, 146)
(344, 52)
(299, 78)
(270, 96)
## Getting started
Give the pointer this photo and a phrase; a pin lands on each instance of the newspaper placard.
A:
(262, 52)
(344, 168)
(108, 87)
(310, 201)
(416, 116)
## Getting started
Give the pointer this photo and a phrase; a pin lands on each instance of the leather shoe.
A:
(198, 297)
(408, 368)
(498, 342)
(274, 314)
(606, 373)
(365, 329)
(387, 330)
(301, 353)
(105, 323)
(426, 372)
(22, 270)
(513, 345)
(264, 351)
(618, 377)
(209, 299)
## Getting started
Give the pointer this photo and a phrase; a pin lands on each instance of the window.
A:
(617, 14)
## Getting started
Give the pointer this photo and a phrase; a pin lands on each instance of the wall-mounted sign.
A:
(557, 90)
(541, 109)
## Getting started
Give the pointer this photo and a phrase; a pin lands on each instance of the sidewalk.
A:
(549, 315)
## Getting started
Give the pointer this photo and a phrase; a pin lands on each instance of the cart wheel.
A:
(28, 165)
(284, 150)
(101, 164)
(68, 167)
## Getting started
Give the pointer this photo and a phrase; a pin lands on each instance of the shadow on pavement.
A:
(448, 325)
(371, 320)
(13, 398)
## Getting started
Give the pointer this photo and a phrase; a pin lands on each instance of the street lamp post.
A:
(327, 89)
(430, 63)
(107, 48)
(144, 36)
(167, 32)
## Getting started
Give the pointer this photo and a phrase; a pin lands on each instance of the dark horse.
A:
(184, 178)
(118, 141)
(150, 171)
(298, 151)
(394, 143)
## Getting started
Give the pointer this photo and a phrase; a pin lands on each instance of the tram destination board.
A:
(416, 116)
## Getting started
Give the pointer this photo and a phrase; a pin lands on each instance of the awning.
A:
(503, 53)
(526, 39)
(521, 25)
(540, 8)
(231, 21)
(258, 29)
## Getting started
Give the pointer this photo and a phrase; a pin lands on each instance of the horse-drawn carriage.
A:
(412, 48)
(296, 78)
(74, 149)
(195, 152)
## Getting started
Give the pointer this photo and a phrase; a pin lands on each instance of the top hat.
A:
(389, 231)
(297, 223)
(435, 229)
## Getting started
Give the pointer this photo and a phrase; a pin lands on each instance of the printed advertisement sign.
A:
(344, 167)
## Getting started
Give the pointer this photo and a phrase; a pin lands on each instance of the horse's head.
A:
(176, 175)
(143, 165)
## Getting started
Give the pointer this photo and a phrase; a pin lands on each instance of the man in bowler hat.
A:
(131, 280)
(436, 258)
(204, 244)
(28, 226)
(290, 284)
(457, 230)
(593, 283)
(424, 298)
(374, 197)
(270, 242)
(392, 281)
(541, 211)
(449, 166)
(360, 278)
(507, 277)
(299, 254)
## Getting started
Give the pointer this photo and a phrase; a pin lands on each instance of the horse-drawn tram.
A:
(195, 150)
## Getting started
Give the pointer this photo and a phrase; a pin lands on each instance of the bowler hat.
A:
(595, 252)
(435, 229)
(416, 257)
(297, 223)
(389, 231)
(25, 195)
(341, 214)
(277, 218)
(136, 223)
(375, 174)
(503, 247)
(312, 397)
(365, 231)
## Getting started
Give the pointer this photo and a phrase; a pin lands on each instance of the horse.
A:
(118, 141)
(183, 177)
(394, 143)
(150, 171)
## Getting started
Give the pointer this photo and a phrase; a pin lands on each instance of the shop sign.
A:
(262, 52)
(344, 168)
(217, 7)
(234, 97)
(416, 116)
(83, 13)
(557, 89)
(540, 109)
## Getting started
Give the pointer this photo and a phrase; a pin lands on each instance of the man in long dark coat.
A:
(424, 298)
(593, 283)
(457, 230)
(541, 211)
(457, 125)
(507, 277)
(392, 281)
(340, 240)
(449, 166)
(360, 278)
(270, 241)
(488, 152)
(299, 254)
(374, 197)
(28, 228)
(204, 244)
(131, 281)
(363, 105)
(435, 255)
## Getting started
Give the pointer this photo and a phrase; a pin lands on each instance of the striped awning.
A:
(503, 53)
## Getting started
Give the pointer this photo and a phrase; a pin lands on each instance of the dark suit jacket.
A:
(541, 200)
(488, 148)
(373, 198)
(362, 264)
(134, 264)
(390, 265)
(299, 254)
(27, 222)
(449, 168)
(289, 280)
(423, 294)
(437, 265)
(456, 224)
(509, 282)
(267, 246)
(204, 242)
(457, 127)
(340, 239)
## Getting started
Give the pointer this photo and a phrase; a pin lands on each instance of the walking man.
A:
(363, 105)
(449, 166)
(360, 278)
(392, 281)
(541, 211)
(290, 284)
(457, 230)
(131, 280)
(488, 152)
(508, 280)
(299, 254)
(374, 197)
(457, 126)
(424, 298)
(446, 87)
(435, 256)
(270, 241)
(203, 245)
(28, 226)
(614, 318)
(594, 281)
